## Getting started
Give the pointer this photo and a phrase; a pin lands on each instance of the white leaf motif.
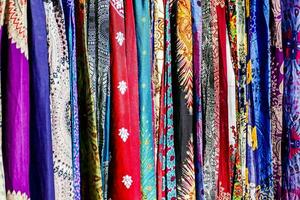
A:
(122, 87)
(120, 38)
(123, 133)
(127, 181)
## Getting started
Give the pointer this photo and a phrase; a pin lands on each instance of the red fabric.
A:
(224, 161)
(125, 160)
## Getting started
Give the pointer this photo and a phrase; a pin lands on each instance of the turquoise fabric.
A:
(143, 30)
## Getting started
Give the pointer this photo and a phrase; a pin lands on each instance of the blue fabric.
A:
(69, 12)
(143, 33)
(41, 161)
(259, 158)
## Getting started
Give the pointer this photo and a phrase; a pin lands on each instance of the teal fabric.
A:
(143, 30)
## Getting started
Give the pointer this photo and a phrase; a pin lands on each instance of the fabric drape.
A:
(41, 167)
(143, 30)
(124, 177)
(69, 12)
(16, 98)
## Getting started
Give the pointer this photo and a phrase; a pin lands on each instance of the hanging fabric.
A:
(166, 176)
(242, 118)
(183, 98)
(60, 100)
(41, 159)
(207, 83)
(277, 80)
(103, 88)
(290, 34)
(90, 168)
(124, 175)
(69, 12)
(197, 112)
(16, 106)
(2, 178)
(143, 30)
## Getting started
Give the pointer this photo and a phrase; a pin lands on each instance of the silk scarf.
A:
(103, 88)
(232, 76)
(277, 80)
(242, 118)
(60, 100)
(183, 99)
(197, 112)
(16, 106)
(143, 30)
(90, 168)
(166, 176)
(259, 169)
(69, 11)
(2, 178)
(291, 131)
(157, 66)
(41, 160)
(208, 101)
(124, 177)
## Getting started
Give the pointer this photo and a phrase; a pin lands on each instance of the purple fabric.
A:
(16, 118)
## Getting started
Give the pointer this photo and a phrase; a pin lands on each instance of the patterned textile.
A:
(60, 100)
(16, 105)
(69, 11)
(166, 176)
(231, 100)
(232, 77)
(242, 107)
(160, 99)
(259, 164)
(157, 66)
(291, 131)
(197, 112)
(124, 174)
(103, 88)
(143, 29)
(277, 80)
(90, 169)
(99, 61)
(183, 99)
(208, 101)
(224, 178)
(41, 159)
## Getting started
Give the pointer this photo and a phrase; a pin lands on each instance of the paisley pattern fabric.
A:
(290, 28)
(16, 98)
(208, 101)
(41, 159)
(277, 81)
(60, 100)
(157, 65)
(143, 29)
